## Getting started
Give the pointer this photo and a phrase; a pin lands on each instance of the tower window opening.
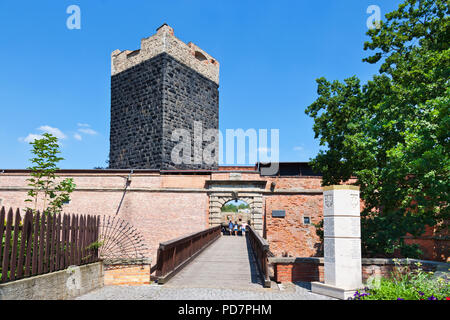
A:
(200, 56)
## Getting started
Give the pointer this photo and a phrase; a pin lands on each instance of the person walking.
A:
(230, 227)
(236, 228)
(243, 228)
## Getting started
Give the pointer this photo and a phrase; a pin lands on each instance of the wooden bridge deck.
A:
(228, 263)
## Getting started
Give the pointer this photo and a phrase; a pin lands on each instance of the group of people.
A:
(234, 228)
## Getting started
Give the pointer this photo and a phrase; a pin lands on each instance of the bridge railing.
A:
(261, 250)
(174, 254)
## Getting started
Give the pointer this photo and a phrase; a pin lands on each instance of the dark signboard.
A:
(278, 213)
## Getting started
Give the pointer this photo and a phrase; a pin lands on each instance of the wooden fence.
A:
(42, 243)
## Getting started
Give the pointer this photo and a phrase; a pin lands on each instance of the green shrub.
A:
(406, 284)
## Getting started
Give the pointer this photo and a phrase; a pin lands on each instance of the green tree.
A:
(43, 179)
(392, 133)
(229, 208)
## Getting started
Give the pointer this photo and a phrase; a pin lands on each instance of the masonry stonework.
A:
(164, 86)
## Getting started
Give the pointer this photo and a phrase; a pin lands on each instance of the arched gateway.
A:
(249, 191)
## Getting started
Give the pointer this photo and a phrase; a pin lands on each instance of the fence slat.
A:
(58, 242)
(78, 239)
(47, 243)
(6, 253)
(66, 241)
(97, 233)
(44, 243)
(12, 268)
(91, 238)
(73, 230)
(52, 245)
(30, 232)
(23, 240)
(41, 244)
(34, 268)
(86, 248)
(83, 241)
(63, 242)
(2, 229)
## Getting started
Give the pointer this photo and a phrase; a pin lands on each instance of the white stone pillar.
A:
(342, 242)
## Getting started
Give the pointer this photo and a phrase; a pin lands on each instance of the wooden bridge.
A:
(208, 259)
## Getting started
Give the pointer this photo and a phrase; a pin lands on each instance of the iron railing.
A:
(174, 254)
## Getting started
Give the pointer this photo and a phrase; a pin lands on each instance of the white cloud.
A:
(298, 148)
(54, 131)
(35, 136)
(31, 137)
(83, 128)
(88, 131)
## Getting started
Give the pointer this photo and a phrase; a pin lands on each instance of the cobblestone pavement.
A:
(297, 291)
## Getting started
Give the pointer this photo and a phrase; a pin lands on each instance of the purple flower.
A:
(432, 298)
(421, 293)
(400, 299)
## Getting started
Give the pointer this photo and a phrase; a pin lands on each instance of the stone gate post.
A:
(342, 242)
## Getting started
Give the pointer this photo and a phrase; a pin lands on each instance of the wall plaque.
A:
(278, 213)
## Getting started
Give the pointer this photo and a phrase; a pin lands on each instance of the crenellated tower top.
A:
(165, 41)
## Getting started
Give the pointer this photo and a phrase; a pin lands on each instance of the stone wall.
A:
(55, 285)
(136, 116)
(148, 102)
(190, 101)
(309, 269)
(163, 86)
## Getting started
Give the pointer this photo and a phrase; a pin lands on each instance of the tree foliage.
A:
(231, 207)
(392, 133)
(46, 192)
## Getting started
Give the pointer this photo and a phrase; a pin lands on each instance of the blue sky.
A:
(270, 53)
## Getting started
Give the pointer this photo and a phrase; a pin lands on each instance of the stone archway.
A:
(223, 191)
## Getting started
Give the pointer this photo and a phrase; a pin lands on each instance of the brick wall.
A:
(312, 269)
(166, 206)
(130, 276)
(157, 214)
(290, 235)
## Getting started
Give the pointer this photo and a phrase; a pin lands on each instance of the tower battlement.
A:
(165, 41)
(163, 87)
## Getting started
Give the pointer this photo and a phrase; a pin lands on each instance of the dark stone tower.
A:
(164, 86)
